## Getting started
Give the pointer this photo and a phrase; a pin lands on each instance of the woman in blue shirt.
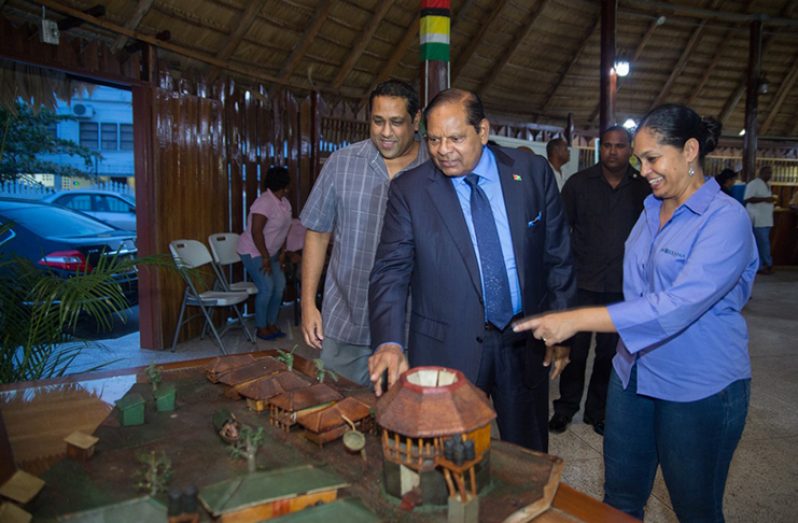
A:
(678, 396)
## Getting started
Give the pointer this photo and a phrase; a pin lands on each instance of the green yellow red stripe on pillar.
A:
(435, 28)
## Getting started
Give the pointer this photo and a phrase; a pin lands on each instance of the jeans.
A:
(270, 289)
(692, 441)
(762, 237)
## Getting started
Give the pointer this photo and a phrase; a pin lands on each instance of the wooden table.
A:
(40, 414)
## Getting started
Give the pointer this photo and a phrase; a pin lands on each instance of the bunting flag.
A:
(434, 30)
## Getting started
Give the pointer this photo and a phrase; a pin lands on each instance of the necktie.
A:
(498, 306)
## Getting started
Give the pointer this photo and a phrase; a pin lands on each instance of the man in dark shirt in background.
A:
(602, 204)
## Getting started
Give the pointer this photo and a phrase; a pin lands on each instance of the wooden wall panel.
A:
(191, 189)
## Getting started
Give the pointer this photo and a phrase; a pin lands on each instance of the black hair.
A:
(399, 89)
(553, 144)
(475, 112)
(674, 124)
(276, 178)
(725, 175)
(616, 128)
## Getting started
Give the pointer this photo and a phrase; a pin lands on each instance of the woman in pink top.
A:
(261, 249)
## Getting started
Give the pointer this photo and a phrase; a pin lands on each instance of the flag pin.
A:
(517, 177)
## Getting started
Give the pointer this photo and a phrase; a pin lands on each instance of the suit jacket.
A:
(425, 248)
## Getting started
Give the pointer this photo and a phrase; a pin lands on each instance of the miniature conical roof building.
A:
(433, 401)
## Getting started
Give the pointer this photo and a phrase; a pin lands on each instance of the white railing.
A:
(28, 191)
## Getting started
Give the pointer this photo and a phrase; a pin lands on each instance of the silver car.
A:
(114, 208)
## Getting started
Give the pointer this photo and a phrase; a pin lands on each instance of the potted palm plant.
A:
(39, 311)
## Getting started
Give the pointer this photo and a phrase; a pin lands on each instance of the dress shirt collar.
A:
(697, 203)
(486, 166)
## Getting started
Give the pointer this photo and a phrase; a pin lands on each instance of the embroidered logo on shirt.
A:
(517, 177)
(673, 253)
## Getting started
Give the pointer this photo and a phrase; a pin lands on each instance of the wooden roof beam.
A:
(477, 41)
(714, 62)
(371, 28)
(245, 72)
(515, 42)
(710, 14)
(681, 63)
(398, 53)
(243, 24)
(70, 22)
(301, 47)
(781, 95)
(572, 63)
(133, 22)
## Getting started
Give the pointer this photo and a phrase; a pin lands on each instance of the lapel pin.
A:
(517, 177)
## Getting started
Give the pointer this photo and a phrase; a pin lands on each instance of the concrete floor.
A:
(764, 472)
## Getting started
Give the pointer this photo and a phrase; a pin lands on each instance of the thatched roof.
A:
(532, 61)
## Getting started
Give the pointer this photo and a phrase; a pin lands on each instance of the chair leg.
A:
(179, 320)
(244, 325)
(209, 323)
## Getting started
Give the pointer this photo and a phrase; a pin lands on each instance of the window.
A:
(109, 138)
(88, 135)
(79, 202)
(125, 137)
(113, 204)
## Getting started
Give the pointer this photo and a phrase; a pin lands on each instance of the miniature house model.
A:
(434, 421)
(284, 408)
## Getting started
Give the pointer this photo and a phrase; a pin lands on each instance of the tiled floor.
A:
(764, 473)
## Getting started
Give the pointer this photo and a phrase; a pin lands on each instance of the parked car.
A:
(64, 241)
(117, 209)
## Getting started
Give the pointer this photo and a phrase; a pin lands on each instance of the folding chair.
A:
(223, 248)
(191, 254)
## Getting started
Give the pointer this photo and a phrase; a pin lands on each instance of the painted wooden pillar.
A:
(752, 100)
(435, 26)
(608, 77)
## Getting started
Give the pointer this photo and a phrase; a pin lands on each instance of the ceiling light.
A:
(742, 132)
(622, 67)
(629, 123)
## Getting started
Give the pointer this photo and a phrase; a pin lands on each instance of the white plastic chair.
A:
(191, 254)
(223, 248)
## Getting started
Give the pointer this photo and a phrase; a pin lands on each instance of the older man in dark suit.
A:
(478, 237)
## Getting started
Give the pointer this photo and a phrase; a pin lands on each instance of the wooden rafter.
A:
(681, 63)
(506, 53)
(399, 51)
(319, 16)
(739, 91)
(714, 62)
(371, 27)
(142, 9)
(242, 25)
(638, 52)
(477, 41)
(737, 94)
(560, 79)
(246, 72)
(781, 95)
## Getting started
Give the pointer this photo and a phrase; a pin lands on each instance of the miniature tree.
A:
(154, 375)
(156, 472)
(287, 357)
(247, 445)
(321, 372)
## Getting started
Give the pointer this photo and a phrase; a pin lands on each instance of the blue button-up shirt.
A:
(685, 286)
(489, 182)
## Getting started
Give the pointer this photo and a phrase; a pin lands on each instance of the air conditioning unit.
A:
(83, 110)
